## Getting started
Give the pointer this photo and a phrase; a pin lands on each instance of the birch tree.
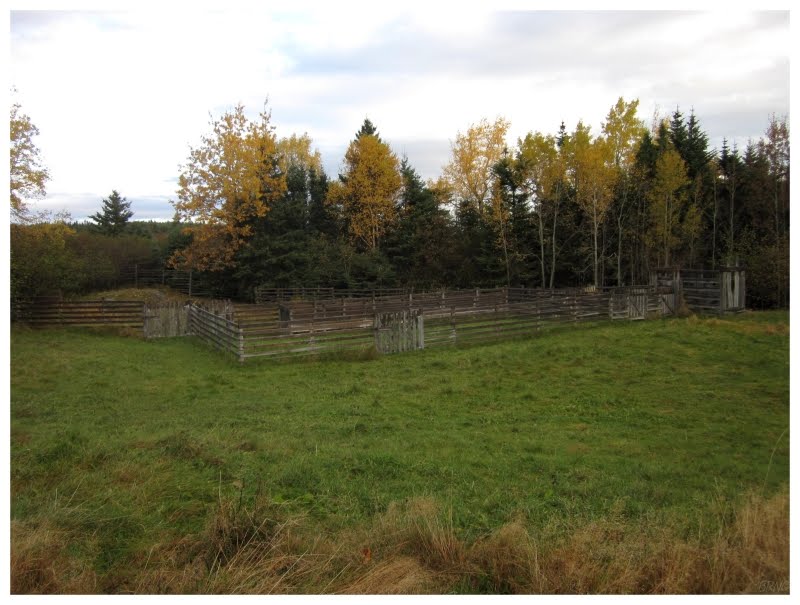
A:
(623, 132)
(474, 155)
(28, 175)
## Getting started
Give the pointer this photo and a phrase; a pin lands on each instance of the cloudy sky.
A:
(120, 96)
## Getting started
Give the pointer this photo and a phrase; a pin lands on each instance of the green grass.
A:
(124, 444)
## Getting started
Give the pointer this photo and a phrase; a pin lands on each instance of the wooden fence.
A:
(399, 323)
(165, 320)
(265, 295)
(714, 291)
(217, 330)
(53, 312)
(160, 320)
(387, 324)
(399, 331)
(142, 276)
(275, 331)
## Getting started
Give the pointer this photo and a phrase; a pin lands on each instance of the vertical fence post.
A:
(377, 330)
(241, 343)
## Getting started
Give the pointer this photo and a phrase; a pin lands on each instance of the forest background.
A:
(575, 207)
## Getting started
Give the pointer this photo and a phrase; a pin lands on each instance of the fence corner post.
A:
(241, 343)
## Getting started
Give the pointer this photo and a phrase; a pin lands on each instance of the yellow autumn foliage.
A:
(369, 192)
(232, 178)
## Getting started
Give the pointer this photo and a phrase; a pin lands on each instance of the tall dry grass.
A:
(40, 563)
(414, 549)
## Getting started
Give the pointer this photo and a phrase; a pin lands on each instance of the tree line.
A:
(558, 209)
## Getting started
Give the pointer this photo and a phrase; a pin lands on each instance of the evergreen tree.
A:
(562, 136)
(114, 216)
(420, 246)
(696, 153)
(368, 128)
(646, 155)
(678, 133)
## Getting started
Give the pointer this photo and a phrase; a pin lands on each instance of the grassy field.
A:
(633, 457)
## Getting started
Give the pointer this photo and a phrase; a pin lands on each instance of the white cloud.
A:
(119, 97)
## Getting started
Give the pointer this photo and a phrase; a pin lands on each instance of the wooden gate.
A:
(637, 303)
(399, 331)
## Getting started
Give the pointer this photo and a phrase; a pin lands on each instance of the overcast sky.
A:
(120, 96)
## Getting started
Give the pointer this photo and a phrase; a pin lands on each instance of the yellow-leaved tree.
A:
(368, 190)
(667, 198)
(592, 173)
(229, 180)
(297, 151)
(28, 176)
(474, 155)
(623, 132)
(541, 167)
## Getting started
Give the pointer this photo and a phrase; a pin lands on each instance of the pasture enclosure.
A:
(403, 322)
(314, 321)
(386, 323)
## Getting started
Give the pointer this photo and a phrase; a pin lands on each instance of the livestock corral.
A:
(387, 322)
(314, 321)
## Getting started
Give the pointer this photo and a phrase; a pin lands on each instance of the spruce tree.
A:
(114, 216)
(678, 133)
(368, 128)
(697, 156)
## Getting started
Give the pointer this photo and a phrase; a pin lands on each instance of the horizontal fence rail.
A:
(220, 332)
(165, 320)
(177, 279)
(119, 313)
(716, 291)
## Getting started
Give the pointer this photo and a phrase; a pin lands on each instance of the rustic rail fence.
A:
(406, 322)
(52, 312)
(387, 324)
(142, 276)
(165, 320)
(714, 291)
(217, 330)
(266, 295)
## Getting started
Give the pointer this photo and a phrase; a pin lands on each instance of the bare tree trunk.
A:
(730, 228)
(619, 250)
(714, 229)
(541, 243)
(594, 228)
(505, 252)
(553, 235)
